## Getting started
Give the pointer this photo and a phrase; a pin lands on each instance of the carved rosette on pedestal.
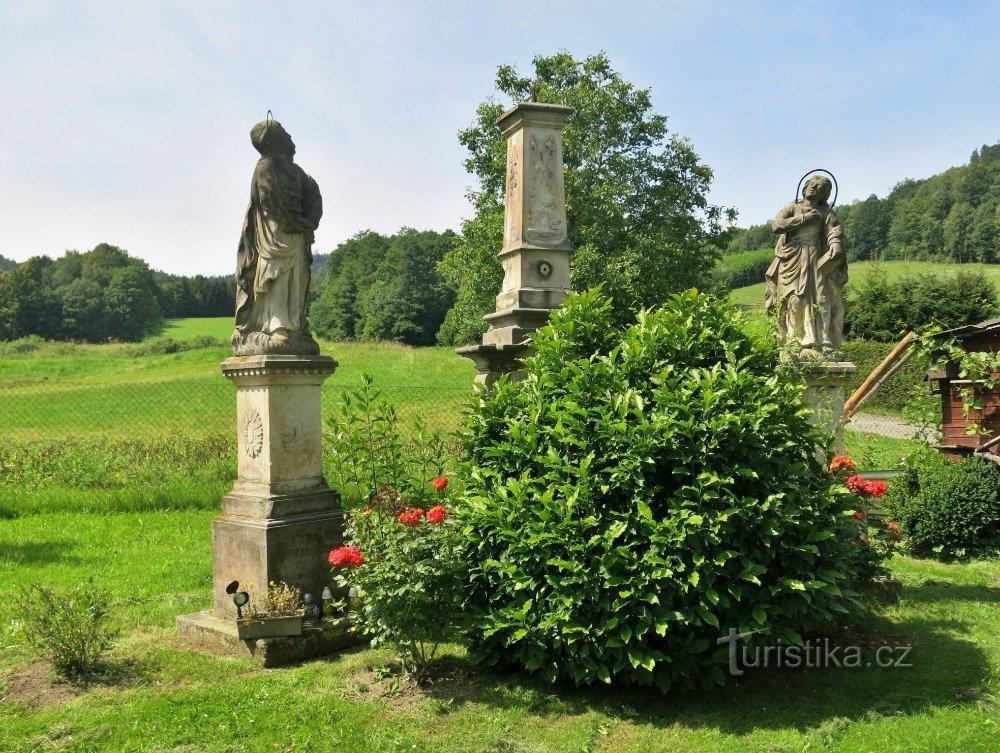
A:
(535, 254)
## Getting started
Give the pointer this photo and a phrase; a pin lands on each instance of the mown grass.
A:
(752, 296)
(873, 452)
(158, 565)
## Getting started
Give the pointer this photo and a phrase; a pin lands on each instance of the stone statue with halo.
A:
(805, 282)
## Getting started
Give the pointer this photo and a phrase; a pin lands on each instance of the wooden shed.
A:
(957, 439)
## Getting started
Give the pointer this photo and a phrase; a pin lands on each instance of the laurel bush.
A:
(641, 492)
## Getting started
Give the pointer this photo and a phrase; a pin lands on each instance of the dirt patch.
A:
(448, 685)
(36, 686)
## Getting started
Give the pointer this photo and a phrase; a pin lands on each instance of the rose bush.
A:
(407, 576)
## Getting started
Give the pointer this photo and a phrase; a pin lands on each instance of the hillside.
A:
(954, 215)
(753, 295)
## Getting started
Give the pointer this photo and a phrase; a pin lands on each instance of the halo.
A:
(269, 118)
(813, 172)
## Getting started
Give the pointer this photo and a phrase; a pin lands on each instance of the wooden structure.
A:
(976, 429)
(892, 363)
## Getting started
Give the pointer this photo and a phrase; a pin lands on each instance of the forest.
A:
(952, 216)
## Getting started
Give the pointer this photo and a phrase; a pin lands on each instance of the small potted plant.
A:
(275, 614)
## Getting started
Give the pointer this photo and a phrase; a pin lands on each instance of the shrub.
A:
(954, 512)
(884, 309)
(368, 448)
(69, 627)
(641, 492)
(402, 563)
(738, 270)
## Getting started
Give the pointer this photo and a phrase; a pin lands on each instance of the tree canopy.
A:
(953, 216)
(377, 287)
(636, 194)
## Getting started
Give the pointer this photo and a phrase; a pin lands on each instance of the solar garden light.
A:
(240, 598)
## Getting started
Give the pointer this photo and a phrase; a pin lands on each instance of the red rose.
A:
(346, 556)
(895, 529)
(436, 515)
(858, 515)
(440, 483)
(842, 462)
(877, 488)
(411, 517)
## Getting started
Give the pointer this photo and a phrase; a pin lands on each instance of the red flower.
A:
(440, 483)
(411, 517)
(368, 510)
(858, 515)
(877, 488)
(842, 462)
(895, 529)
(436, 515)
(346, 556)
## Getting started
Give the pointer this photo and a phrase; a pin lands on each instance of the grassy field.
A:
(169, 698)
(753, 295)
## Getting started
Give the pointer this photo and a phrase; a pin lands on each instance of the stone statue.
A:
(275, 252)
(805, 282)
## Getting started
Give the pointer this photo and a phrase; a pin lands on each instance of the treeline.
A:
(6, 263)
(378, 287)
(953, 216)
(100, 295)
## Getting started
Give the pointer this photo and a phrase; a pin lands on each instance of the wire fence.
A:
(53, 409)
(205, 406)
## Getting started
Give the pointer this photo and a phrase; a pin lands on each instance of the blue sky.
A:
(128, 122)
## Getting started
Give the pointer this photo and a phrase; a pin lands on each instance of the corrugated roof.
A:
(960, 333)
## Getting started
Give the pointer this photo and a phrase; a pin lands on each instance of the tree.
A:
(380, 287)
(635, 194)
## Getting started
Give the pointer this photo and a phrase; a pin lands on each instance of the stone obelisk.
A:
(536, 250)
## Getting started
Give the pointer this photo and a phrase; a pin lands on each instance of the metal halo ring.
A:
(836, 189)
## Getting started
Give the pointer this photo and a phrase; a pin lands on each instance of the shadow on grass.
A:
(35, 553)
(931, 591)
(946, 670)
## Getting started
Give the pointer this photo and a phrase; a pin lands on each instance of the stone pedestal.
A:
(281, 519)
(536, 249)
(825, 393)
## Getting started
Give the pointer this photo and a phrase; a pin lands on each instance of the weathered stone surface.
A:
(805, 282)
(205, 630)
(275, 251)
(292, 549)
(825, 394)
(535, 253)
(280, 519)
(279, 426)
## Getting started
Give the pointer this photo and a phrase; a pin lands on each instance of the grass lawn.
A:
(169, 698)
(877, 453)
(753, 295)
(219, 327)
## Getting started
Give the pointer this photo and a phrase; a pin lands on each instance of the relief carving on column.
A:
(545, 223)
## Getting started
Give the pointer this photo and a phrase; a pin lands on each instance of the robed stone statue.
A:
(275, 252)
(805, 282)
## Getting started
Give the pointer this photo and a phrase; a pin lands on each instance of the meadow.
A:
(752, 296)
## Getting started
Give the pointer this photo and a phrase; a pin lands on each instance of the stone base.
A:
(493, 361)
(291, 546)
(204, 630)
(826, 393)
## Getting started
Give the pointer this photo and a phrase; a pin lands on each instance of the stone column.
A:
(825, 394)
(535, 253)
(280, 519)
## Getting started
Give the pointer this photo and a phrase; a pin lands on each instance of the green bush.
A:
(952, 511)
(643, 491)
(738, 270)
(884, 309)
(69, 627)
